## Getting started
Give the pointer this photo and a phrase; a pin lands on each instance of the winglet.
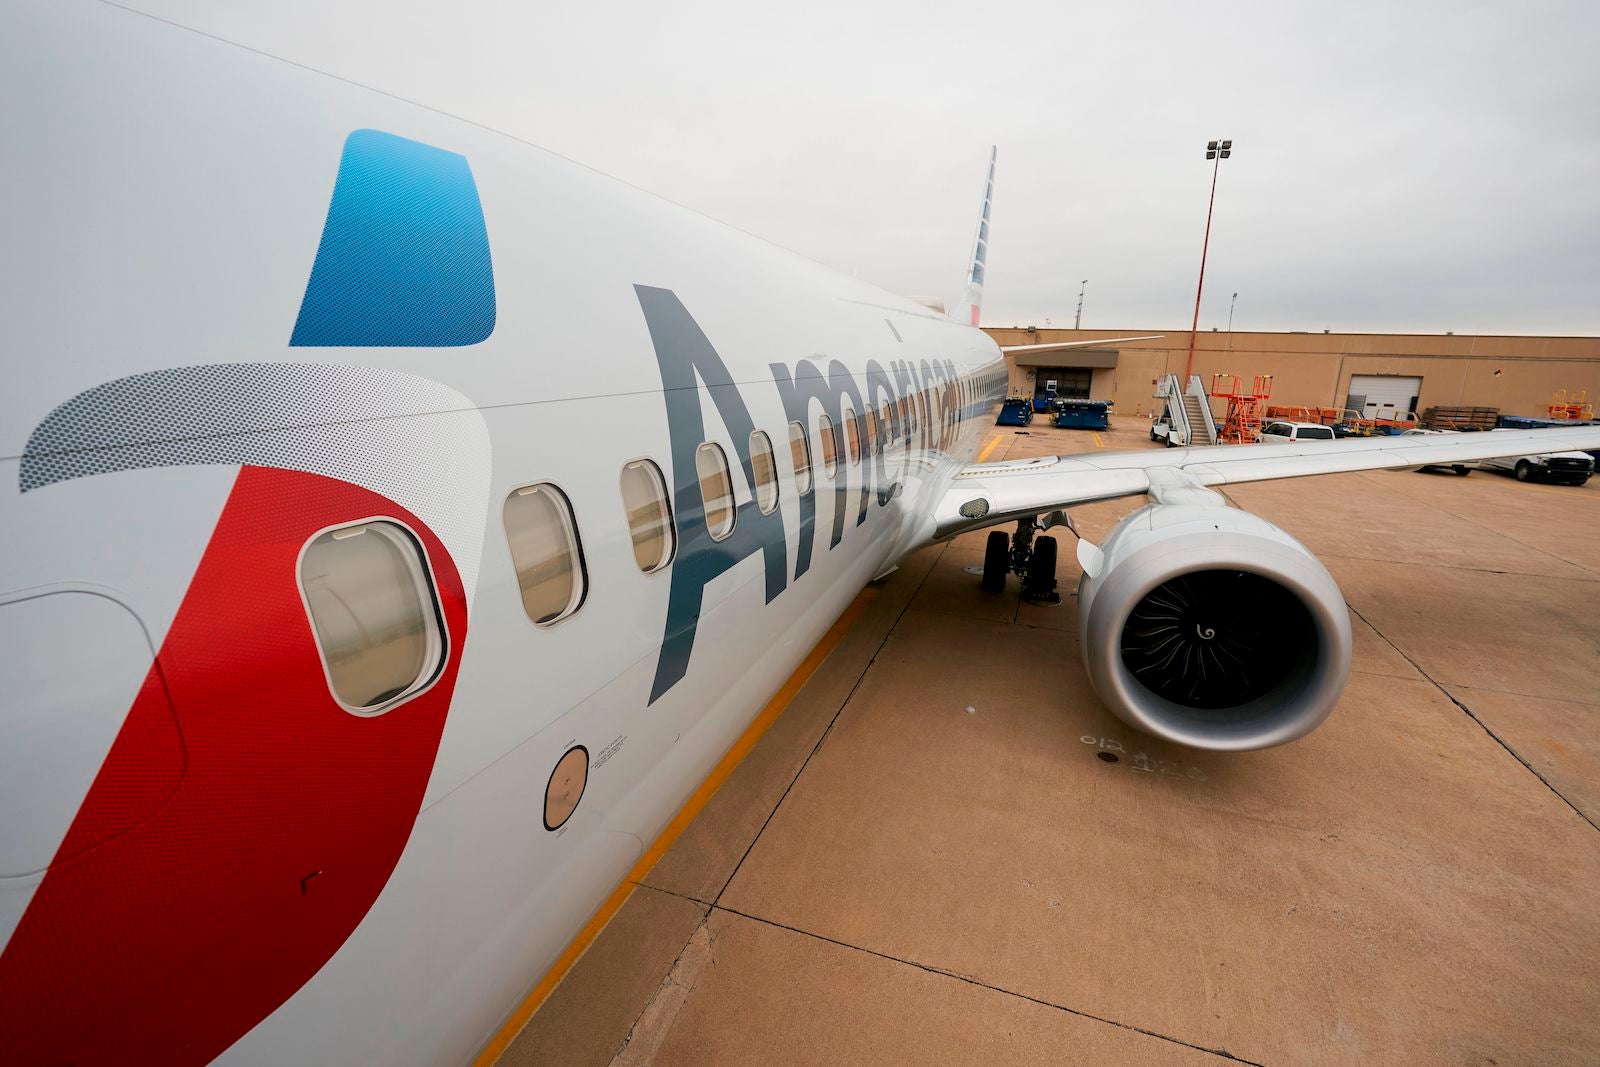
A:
(967, 307)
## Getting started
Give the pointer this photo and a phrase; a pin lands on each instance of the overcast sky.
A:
(1397, 166)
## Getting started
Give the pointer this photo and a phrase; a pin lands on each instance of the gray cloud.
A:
(1415, 166)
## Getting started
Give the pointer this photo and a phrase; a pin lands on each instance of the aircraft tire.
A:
(1042, 567)
(996, 561)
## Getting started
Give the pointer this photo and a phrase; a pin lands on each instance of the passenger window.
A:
(872, 431)
(886, 420)
(544, 549)
(644, 500)
(765, 466)
(830, 445)
(373, 612)
(716, 489)
(852, 436)
(800, 453)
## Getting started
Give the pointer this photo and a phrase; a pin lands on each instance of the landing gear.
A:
(996, 561)
(1031, 558)
(1034, 559)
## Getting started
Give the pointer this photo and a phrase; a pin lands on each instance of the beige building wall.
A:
(1515, 374)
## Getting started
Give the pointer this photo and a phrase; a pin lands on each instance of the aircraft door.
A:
(76, 661)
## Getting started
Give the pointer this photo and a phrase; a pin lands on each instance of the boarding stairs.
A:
(1189, 419)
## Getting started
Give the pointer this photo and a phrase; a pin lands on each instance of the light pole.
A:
(1234, 300)
(1077, 320)
(1216, 151)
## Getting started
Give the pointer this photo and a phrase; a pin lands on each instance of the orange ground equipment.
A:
(1290, 413)
(1243, 424)
(1573, 405)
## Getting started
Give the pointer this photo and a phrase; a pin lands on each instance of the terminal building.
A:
(1379, 375)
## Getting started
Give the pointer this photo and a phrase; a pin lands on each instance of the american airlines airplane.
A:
(400, 521)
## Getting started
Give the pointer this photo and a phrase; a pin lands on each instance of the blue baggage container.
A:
(1535, 422)
(1083, 414)
(1015, 412)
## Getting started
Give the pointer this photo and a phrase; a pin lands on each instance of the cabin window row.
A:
(372, 602)
(542, 532)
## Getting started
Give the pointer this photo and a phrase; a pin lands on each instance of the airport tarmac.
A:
(931, 856)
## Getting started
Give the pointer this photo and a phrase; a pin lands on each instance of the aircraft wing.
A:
(1062, 346)
(985, 494)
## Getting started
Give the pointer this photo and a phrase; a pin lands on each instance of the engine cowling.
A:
(1209, 626)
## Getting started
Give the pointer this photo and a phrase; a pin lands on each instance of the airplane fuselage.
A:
(289, 308)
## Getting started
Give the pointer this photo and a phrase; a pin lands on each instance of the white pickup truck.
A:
(1567, 468)
(1462, 469)
(1288, 433)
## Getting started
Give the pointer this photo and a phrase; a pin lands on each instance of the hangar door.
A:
(1068, 382)
(1383, 396)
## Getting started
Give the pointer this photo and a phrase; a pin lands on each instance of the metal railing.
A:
(1197, 388)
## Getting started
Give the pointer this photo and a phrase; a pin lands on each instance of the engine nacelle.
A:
(1208, 626)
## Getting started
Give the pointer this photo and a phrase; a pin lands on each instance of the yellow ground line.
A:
(1097, 442)
(680, 822)
(984, 455)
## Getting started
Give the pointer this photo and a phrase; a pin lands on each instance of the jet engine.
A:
(1206, 625)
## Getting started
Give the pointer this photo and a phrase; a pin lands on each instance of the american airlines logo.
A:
(686, 358)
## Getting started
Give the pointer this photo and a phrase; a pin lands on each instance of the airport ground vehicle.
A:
(1284, 433)
(1016, 411)
(1561, 468)
(1082, 415)
(1418, 431)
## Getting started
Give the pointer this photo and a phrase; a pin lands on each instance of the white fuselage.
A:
(168, 197)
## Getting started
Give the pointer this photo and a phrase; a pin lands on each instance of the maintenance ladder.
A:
(1243, 424)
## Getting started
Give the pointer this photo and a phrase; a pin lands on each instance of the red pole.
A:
(1188, 367)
